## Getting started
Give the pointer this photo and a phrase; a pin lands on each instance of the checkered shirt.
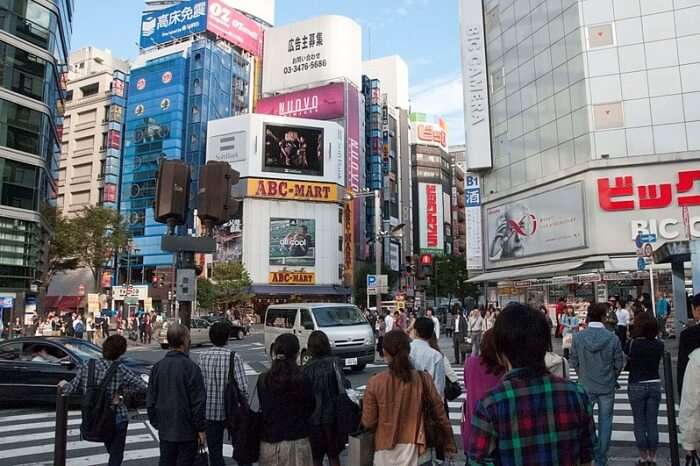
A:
(214, 364)
(124, 380)
(532, 420)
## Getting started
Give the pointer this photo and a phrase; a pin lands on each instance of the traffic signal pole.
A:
(377, 247)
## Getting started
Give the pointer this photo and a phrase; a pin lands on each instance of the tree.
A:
(206, 293)
(450, 272)
(231, 282)
(100, 232)
(63, 245)
(361, 271)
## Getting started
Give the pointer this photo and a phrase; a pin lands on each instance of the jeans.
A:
(645, 399)
(662, 326)
(605, 423)
(476, 343)
(115, 445)
(177, 453)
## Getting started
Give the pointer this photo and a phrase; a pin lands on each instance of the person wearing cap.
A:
(688, 342)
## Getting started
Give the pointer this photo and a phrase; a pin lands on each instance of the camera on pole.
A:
(215, 202)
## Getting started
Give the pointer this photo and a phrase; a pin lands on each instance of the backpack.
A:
(98, 417)
(79, 327)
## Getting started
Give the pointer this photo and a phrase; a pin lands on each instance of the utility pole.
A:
(377, 245)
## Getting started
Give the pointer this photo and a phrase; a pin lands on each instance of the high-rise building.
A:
(92, 131)
(459, 237)
(34, 46)
(582, 119)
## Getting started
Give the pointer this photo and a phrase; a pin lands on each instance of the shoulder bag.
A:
(452, 389)
(246, 436)
(98, 417)
(434, 437)
(465, 344)
(348, 413)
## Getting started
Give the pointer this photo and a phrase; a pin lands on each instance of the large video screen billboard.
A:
(292, 242)
(293, 149)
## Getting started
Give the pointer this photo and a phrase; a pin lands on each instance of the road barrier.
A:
(671, 410)
(59, 449)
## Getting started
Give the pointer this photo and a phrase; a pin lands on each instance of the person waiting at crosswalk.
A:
(644, 353)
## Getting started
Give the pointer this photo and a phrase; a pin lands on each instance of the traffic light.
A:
(172, 192)
(215, 204)
(409, 265)
(426, 265)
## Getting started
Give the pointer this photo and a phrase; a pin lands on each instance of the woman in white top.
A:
(476, 328)
(689, 416)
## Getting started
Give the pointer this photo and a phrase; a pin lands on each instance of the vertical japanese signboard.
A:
(430, 205)
(472, 197)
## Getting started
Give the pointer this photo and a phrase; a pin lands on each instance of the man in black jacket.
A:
(461, 330)
(688, 342)
(176, 402)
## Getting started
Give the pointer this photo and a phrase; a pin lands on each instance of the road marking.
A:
(51, 434)
(30, 417)
(36, 425)
(70, 446)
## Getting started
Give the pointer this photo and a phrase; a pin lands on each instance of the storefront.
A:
(576, 237)
(130, 299)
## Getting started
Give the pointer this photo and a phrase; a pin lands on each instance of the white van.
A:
(350, 335)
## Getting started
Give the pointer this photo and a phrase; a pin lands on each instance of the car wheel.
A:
(238, 334)
(305, 358)
(164, 345)
(360, 367)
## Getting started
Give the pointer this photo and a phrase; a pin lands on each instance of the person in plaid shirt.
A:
(215, 365)
(123, 380)
(532, 417)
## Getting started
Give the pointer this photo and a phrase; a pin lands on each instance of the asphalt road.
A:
(27, 432)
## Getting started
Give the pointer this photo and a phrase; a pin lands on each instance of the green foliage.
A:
(451, 274)
(231, 283)
(362, 269)
(206, 293)
(63, 246)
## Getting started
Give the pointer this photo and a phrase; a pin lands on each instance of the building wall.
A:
(33, 61)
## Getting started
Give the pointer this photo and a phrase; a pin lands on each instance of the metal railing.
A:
(59, 448)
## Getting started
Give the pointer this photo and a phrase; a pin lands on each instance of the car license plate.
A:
(351, 362)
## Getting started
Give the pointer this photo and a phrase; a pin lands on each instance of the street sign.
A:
(647, 250)
(686, 221)
(645, 238)
(377, 283)
(641, 263)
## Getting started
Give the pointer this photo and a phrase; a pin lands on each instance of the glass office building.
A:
(34, 45)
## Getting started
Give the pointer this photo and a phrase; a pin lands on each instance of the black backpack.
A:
(234, 403)
(98, 424)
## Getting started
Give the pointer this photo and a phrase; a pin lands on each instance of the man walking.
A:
(597, 357)
(532, 417)
(436, 323)
(689, 341)
(425, 358)
(663, 309)
(176, 401)
(623, 321)
(461, 331)
(215, 368)
(388, 322)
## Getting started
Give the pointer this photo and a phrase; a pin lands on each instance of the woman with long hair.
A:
(392, 408)
(570, 324)
(325, 374)
(476, 328)
(287, 404)
(481, 374)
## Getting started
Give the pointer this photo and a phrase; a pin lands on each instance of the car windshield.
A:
(338, 316)
(84, 350)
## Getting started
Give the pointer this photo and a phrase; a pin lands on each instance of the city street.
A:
(27, 435)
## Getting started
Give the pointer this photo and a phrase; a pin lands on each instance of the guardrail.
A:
(59, 448)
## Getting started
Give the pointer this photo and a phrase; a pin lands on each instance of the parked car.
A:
(31, 367)
(237, 330)
(350, 334)
(199, 332)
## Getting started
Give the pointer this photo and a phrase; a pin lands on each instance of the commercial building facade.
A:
(592, 140)
(34, 44)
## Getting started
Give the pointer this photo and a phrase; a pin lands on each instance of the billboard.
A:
(321, 103)
(472, 198)
(317, 50)
(293, 149)
(477, 120)
(430, 208)
(293, 242)
(544, 223)
(284, 277)
(173, 23)
(291, 190)
(234, 27)
(261, 9)
(428, 130)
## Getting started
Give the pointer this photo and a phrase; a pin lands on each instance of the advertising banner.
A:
(430, 206)
(285, 277)
(290, 149)
(321, 103)
(261, 9)
(544, 223)
(348, 244)
(472, 198)
(234, 27)
(173, 23)
(317, 50)
(476, 92)
(292, 242)
(354, 168)
(429, 130)
(229, 147)
(292, 190)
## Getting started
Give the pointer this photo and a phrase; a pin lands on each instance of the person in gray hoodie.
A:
(597, 358)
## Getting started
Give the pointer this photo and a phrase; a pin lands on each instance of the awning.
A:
(542, 271)
(51, 302)
(69, 303)
(300, 290)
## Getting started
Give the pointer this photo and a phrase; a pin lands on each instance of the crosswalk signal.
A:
(426, 265)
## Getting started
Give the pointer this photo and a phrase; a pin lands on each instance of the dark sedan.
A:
(31, 367)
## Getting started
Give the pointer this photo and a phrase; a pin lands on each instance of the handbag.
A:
(692, 459)
(202, 458)
(431, 425)
(246, 437)
(361, 448)
(452, 390)
(348, 414)
(629, 358)
(465, 345)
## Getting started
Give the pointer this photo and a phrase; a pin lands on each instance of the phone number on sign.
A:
(305, 66)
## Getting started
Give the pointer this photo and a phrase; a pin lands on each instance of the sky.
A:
(425, 33)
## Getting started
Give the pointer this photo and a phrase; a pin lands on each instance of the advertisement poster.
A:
(291, 190)
(292, 242)
(173, 23)
(430, 205)
(234, 27)
(320, 103)
(429, 130)
(472, 197)
(290, 149)
(549, 222)
(229, 241)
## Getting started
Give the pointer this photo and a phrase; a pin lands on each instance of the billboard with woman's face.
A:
(292, 242)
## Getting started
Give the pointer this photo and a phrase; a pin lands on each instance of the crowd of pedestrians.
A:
(520, 406)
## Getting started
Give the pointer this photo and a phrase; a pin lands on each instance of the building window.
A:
(19, 185)
(22, 128)
(90, 89)
(103, 144)
(29, 21)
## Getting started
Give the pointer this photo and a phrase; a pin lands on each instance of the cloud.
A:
(442, 96)
(420, 61)
(401, 11)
